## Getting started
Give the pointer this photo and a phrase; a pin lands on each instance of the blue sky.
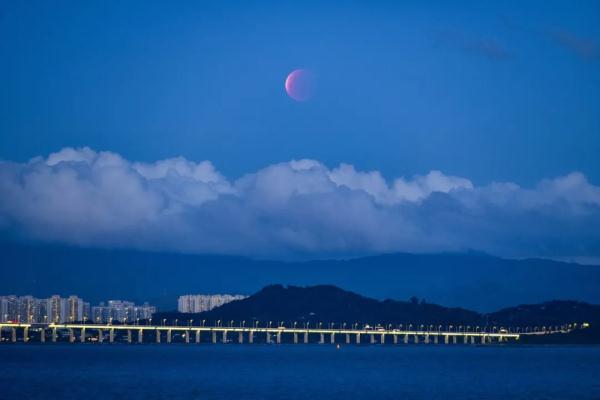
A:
(449, 126)
(505, 91)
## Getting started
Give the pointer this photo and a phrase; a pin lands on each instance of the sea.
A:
(287, 371)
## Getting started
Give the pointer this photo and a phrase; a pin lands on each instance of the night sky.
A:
(448, 127)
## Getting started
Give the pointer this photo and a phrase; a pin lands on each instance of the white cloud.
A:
(301, 207)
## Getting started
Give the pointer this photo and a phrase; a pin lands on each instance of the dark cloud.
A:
(486, 47)
(586, 48)
(80, 196)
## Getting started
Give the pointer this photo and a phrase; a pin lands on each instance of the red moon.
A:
(300, 84)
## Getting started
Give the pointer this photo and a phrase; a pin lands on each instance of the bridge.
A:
(135, 333)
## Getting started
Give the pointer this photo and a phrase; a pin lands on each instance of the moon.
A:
(300, 84)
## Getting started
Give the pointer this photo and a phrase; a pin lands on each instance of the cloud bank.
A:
(297, 208)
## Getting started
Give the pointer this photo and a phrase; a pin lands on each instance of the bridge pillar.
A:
(500, 339)
(446, 339)
(278, 337)
(472, 339)
(198, 336)
(295, 338)
(141, 336)
(406, 338)
(372, 338)
(157, 336)
(427, 338)
(100, 336)
(268, 337)
(482, 339)
(306, 337)
(214, 336)
(13, 335)
(54, 335)
(82, 335)
(436, 339)
(111, 335)
(169, 336)
(347, 338)
(454, 339)
(129, 339)
(71, 335)
(416, 339)
(383, 338)
(187, 334)
(26, 334)
(322, 339)
(395, 339)
(358, 338)
(332, 338)
(465, 339)
(224, 336)
(241, 337)
(42, 335)
(251, 337)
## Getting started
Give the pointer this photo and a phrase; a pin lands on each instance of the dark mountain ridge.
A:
(474, 281)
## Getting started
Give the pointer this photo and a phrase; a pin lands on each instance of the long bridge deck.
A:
(79, 332)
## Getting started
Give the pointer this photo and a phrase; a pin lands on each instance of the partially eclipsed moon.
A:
(300, 84)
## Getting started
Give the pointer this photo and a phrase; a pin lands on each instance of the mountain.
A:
(475, 281)
(326, 304)
(329, 304)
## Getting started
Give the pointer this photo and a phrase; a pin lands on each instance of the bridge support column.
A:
(82, 335)
(42, 335)
(214, 337)
(358, 338)
(395, 339)
(197, 336)
(268, 337)
(295, 338)
(187, 334)
(224, 336)
(278, 336)
(472, 339)
(454, 339)
(13, 335)
(332, 338)
(129, 338)
(100, 336)
(169, 336)
(54, 335)
(446, 339)
(251, 337)
(406, 338)
(465, 339)
(322, 339)
(383, 338)
(372, 340)
(347, 338)
(141, 336)
(241, 337)
(71, 335)
(157, 336)
(436, 339)
(500, 338)
(111, 336)
(25, 335)
(427, 339)
(306, 337)
(482, 339)
(416, 339)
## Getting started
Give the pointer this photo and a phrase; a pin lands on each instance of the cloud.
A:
(299, 208)
(586, 48)
(482, 46)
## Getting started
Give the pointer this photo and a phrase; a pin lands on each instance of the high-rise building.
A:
(195, 303)
(121, 311)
